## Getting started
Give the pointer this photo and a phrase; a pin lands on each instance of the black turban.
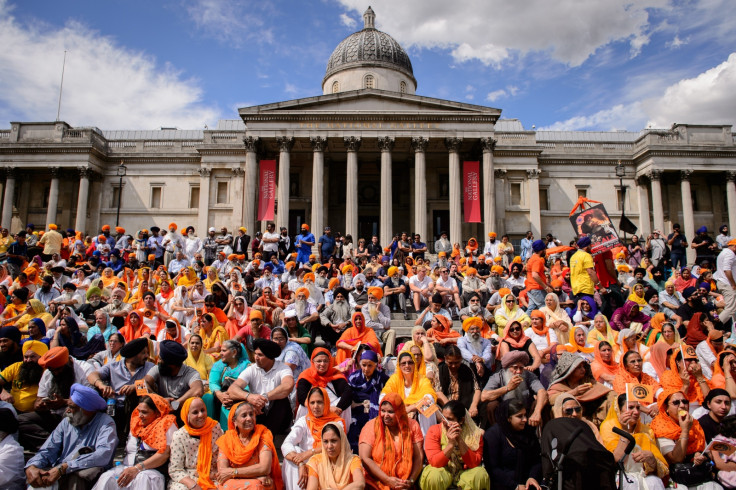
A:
(172, 352)
(342, 291)
(8, 422)
(134, 347)
(11, 333)
(21, 294)
(269, 348)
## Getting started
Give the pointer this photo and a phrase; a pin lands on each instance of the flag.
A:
(428, 406)
(722, 447)
(140, 388)
(471, 192)
(267, 190)
(640, 393)
(626, 225)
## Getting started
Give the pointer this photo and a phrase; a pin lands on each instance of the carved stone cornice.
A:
(285, 143)
(237, 172)
(251, 143)
(318, 143)
(352, 143)
(386, 143)
(654, 175)
(419, 144)
(84, 172)
(500, 173)
(488, 144)
(731, 176)
(533, 173)
(453, 144)
(204, 172)
(685, 174)
(54, 172)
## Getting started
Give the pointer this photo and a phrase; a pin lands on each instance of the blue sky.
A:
(570, 64)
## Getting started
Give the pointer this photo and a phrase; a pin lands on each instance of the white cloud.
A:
(229, 21)
(495, 31)
(677, 42)
(495, 95)
(105, 85)
(621, 116)
(347, 21)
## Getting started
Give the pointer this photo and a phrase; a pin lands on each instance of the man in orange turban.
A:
(394, 291)
(378, 317)
(306, 312)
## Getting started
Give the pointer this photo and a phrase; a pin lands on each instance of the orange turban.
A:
(305, 227)
(376, 291)
(302, 290)
(120, 229)
(53, 227)
(173, 225)
(492, 234)
(315, 267)
(557, 283)
(472, 271)
(102, 238)
(517, 260)
(54, 358)
(289, 265)
(497, 259)
(392, 270)
(309, 276)
(503, 292)
(312, 257)
(240, 257)
(347, 268)
(333, 283)
(497, 269)
(256, 314)
(151, 257)
(232, 257)
(442, 254)
(471, 321)
(105, 227)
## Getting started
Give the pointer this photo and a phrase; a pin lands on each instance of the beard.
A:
(78, 418)
(164, 370)
(313, 291)
(507, 375)
(300, 306)
(29, 373)
(497, 283)
(359, 288)
(342, 310)
(475, 342)
(475, 308)
(62, 383)
(372, 311)
(395, 282)
(347, 280)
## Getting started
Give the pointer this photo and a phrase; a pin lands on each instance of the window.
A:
(582, 192)
(194, 197)
(222, 193)
(294, 185)
(515, 190)
(544, 199)
(156, 192)
(402, 87)
(335, 87)
(115, 196)
(369, 81)
(619, 198)
(444, 185)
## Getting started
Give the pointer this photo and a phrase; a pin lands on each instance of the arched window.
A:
(369, 81)
(335, 87)
(402, 87)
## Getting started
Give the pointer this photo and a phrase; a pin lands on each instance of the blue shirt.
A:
(526, 248)
(118, 375)
(327, 245)
(95, 330)
(414, 246)
(63, 443)
(304, 250)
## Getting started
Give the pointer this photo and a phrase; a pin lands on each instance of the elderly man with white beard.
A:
(79, 449)
(475, 308)
(118, 309)
(268, 279)
(336, 317)
(473, 285)
(358, 296)
(378, 317)
(394, 290)
(476, 350)
(306, 312)
(315, 295)
(514, 381)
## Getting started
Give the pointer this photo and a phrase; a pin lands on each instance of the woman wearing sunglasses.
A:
(516, 340)
(573, 376)
(508, 312)
(566, 405)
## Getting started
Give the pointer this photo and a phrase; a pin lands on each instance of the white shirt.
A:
(261, 382)
(271, 247)
(414, 281)
(540, 341)
(449, 284)
(726, 261)
(299, 438)
(706, 358)
(491, 249)
(12, 474)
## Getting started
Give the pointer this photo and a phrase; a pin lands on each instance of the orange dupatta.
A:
(671, 380)
(321, 380)
(127, 331)
(204, 454)
(384, 452)
(663, 426)
(238, 454)
(446, 332)
(598, 366)
(623, 377)
(353, 336)
(316, 424)
(154, 434)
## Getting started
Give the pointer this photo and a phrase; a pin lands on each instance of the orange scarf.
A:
(664, 426)
(656, 328)
(623, 377)
(238, 454)
(316, 424)
(384, 452)
(598, 366)
(354, 336)
(204, 455)
(517, 344)
(445, 331)
(129, 333)
(178, 337)
(321, 380)
(671, 380)
(154, 434)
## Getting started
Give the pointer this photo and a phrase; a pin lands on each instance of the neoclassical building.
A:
(368, 156)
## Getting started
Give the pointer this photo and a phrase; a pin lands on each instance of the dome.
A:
(369, 48)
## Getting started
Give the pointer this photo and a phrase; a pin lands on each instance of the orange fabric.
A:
(444, 332)
(517, 344)
(658, 357)
(321, 380)
(178, 337)
(656, 328)
(219, 314)
(383, 453)
(354, 336)
(598, 366)
(154, 434)
(664, 426)
(316, 424)
(204, 455)
(238, 454)
(671, 380)
(129, 333)
(623, 377)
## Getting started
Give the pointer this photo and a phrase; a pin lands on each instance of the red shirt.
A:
(435, 456)
(600, 268)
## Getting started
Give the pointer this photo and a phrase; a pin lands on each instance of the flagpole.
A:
(61, 86)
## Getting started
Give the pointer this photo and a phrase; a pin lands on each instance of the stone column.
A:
(251, 183)
(456, 225)
(386, 144)
(419, 145)
(644, 227)
(282, 215)
(731, 200)
(535, 215)
(352, 144)
(489, 187)
(499, 184)
(237, 193)
(655, 177)
(7, 215)
(687, 212)
(83, 199)
(204, 201)
(319, 143)
(53, 196)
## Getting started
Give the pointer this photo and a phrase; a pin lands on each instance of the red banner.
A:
(267, 190)
(471, 191)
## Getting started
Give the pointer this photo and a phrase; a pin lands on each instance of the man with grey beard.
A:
(336, 317)
(358, 296)
(118, 310)
(306, 312)
(475, 309)
(378, 317)
(515, 381)
(79, 449)
(476, 351)
(394, 290)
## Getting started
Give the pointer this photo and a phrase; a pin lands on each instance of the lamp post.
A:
(122, 169)
(620, 173)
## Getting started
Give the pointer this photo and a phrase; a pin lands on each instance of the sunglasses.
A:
(406, 363)
(516, 329)
(677, 403)
(571, 410)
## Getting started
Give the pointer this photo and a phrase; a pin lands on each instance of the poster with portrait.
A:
(595, 223)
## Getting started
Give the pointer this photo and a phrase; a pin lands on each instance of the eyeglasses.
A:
(571, 410)
(677, 403)
(509, 300)
(406, 363)
(517, 329)
(473, 300)
(444, 272)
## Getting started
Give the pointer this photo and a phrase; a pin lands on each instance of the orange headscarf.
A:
(321, 380)
(623, 377)
(129, 333)
(353, 336)
(316, 424)
(154, 434)
(658, 358)
(670, 380)
(664, 426)
(238, 454)
(178, 337)
(397, 465)
(204, 455)
(445, 331)
(656, 328)
(516, 344)
(599, 366)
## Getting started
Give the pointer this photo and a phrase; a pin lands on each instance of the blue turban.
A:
(172, 352)
(702, 229)
(11, 333)
(369, 355)
(87, 398)
(704, 285)
(584, 242)
(538, 245)
(40, 324)
(689, 292)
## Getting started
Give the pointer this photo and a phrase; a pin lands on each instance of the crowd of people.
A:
(188, 356)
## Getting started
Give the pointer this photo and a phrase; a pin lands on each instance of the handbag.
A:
(689, 474)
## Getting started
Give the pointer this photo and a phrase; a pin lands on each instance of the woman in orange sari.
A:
(604, 367)
(248, 458)
(686, 376)
(441, 334)
(134, 327)
(354, 336)
(391, 447)
(631, 372)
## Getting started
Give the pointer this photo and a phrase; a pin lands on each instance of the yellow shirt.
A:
(24, 396)
(5, 243)
(581, 282)
(51, 240)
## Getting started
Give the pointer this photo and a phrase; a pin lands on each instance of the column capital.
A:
(204, 172)
(84, 172)
(419, 144)
(654, 174)
(731, 176)
(685, 174)
(352, 143)
(251, 143)
(286, 143)
(453, 144)
(533, 173)
(500, 173)
(237, 172)
(386, 143)
(488, 144)
(54, 172)
(11, 172)
(319, 143)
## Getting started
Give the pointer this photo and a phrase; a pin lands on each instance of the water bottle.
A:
(111, 407)
(117, 465)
